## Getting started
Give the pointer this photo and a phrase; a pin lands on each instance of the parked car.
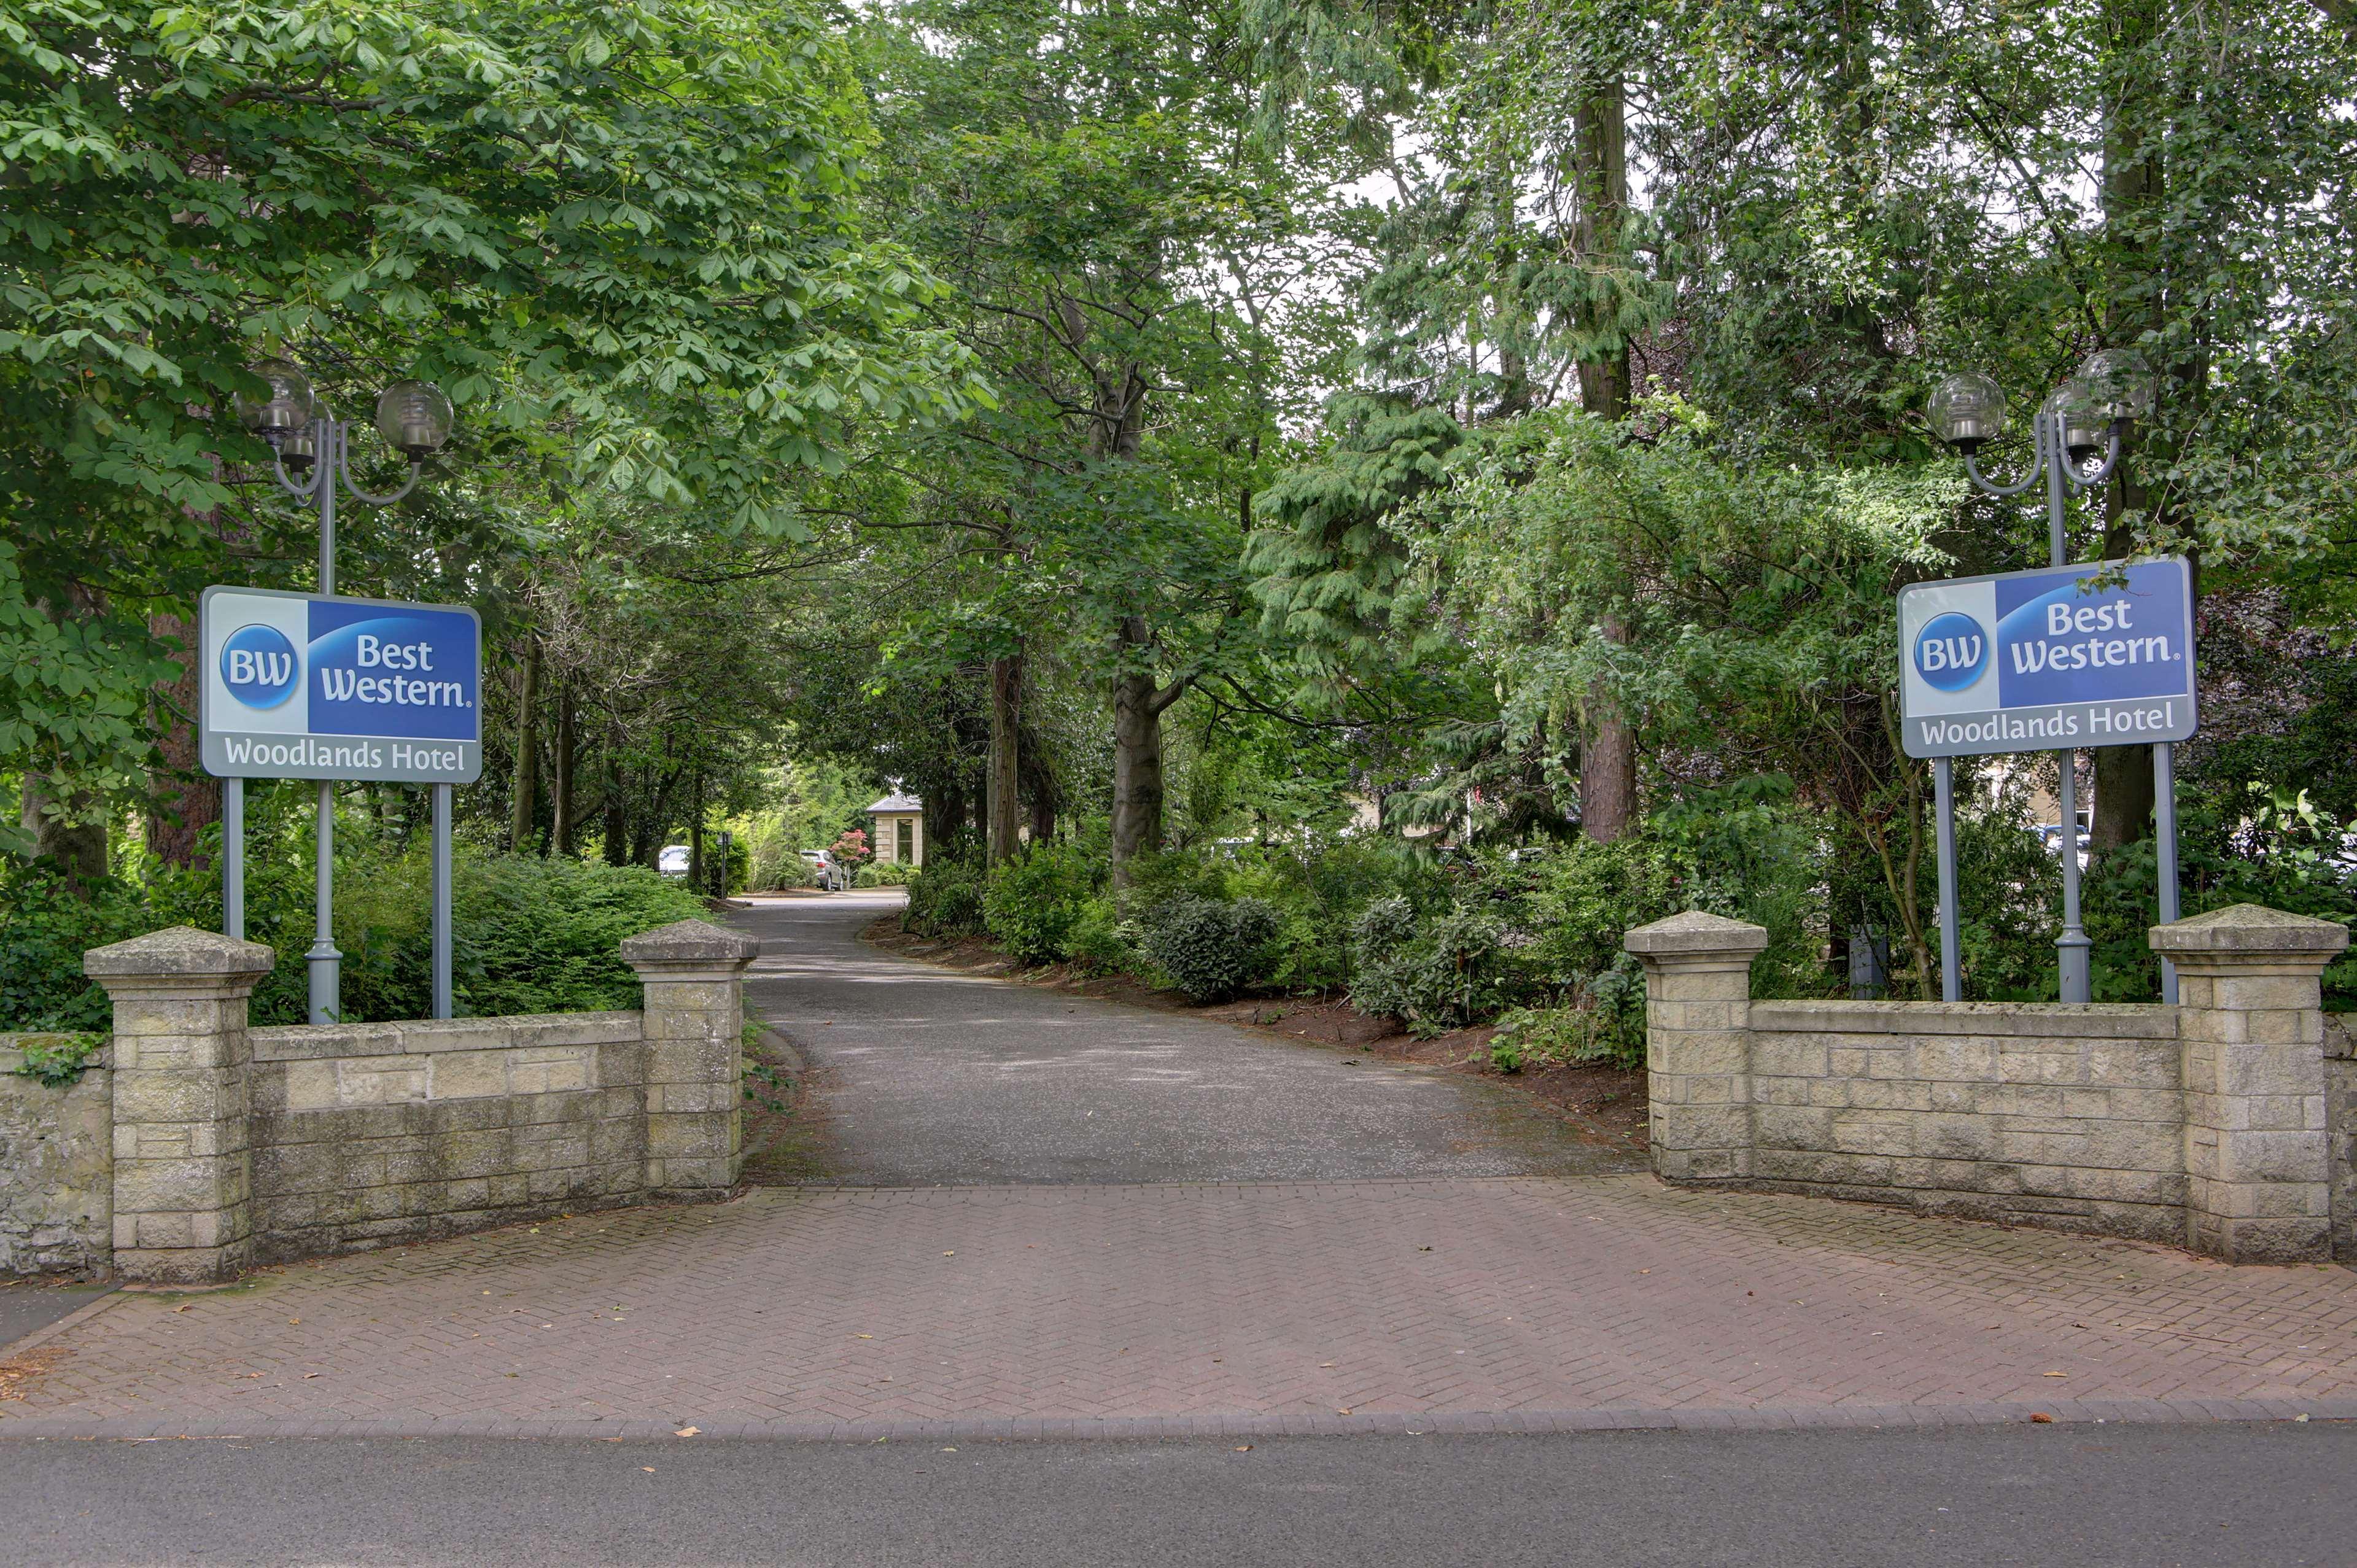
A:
(672, 861)
(829, 874)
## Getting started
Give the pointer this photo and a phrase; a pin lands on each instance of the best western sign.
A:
(308, 686)
(2048, 660)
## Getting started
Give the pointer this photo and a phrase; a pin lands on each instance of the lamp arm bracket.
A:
(309, 488)
(2103, 470)
(1973, 467)
(415, 469)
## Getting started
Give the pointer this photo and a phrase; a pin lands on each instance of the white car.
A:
(830, 873)
(672, 861)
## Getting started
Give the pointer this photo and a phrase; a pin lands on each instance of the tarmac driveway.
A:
(925, 1077)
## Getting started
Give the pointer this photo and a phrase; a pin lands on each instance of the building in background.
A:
(900, 837)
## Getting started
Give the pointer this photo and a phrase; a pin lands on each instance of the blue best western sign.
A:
(2048, 661)
(307, 686)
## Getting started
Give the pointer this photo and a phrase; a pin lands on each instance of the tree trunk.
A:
(1608, 764)
(2132, 185)
(565, 829)
(1003, 784)
(1601, 160)
(1137, 772)
(79, 847)
(695, 839)
(524, 798)
(617, 804)
(183, 799)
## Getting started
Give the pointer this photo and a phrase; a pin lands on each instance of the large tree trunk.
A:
(524, 798)
(1003, 785)
(2132, 182)
(183, 799)
(1608, 773)
(1137, 788)
(1601, 156)
(565, 828)
(1137, 772)
(69, 836)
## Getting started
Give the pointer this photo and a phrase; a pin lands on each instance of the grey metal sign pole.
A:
(326, 964)
(2164, 811)
(2071, 947)
(442, 999)
(234, 859)
(1943, 796)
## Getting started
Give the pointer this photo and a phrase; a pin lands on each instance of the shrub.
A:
(1211, 949)
(1433, 974)
(944, 900)
(48, 926)
(1101, 942)
(884, 874)
(1031, 903)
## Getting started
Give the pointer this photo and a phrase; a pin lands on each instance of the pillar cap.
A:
(690, 942)
(180, 952)
(1694, 934)
(2253, 929)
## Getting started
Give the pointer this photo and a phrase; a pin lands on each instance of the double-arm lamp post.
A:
(312, 457)
(2080, 423)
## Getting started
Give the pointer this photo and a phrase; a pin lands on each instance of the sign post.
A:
(319, 686)
(2064, 657)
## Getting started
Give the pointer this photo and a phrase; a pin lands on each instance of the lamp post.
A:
(2083, 419)
(311, 454)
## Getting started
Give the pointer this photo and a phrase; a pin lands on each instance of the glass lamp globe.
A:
(2121, 382)
(296, 449)
(1967, 411)
(2085, 425)
(288, 407)
(416, 417)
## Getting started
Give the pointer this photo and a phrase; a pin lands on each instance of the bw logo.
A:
(259, 667)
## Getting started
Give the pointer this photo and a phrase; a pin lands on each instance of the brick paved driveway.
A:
(1446, 1303)
(1400, 1284)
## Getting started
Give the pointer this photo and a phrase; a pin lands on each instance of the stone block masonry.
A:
(2221, 1124)
(57, 1167)
(210, 1146)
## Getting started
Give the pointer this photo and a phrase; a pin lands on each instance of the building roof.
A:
(898, 803)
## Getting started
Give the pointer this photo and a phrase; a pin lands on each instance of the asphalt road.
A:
(2084, 1497)
(926, 1077)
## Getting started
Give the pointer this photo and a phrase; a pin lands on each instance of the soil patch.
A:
(1607, 1104)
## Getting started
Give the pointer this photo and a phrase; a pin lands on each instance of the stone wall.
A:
(2340, 1125)
(57, 1167)
(370, 1134)
(210, 1146)
(2041, 1114)
(2203, 1125)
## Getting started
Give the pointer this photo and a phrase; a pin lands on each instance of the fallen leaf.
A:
(949, 1255)
(2042, 1419)
(1246, 1447)
(863, 1336)
(2053, 1374)
(649, 1469)
(1326, 1363)
(948, 1450)
(295, 1320)
(1344, 1411)
(183, 1307)
(686, 1432)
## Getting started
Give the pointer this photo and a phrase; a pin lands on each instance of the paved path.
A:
(2114, 1498)
(929, 1078)
(1398, 1289)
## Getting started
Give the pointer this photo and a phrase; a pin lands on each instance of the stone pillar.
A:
(2251, 1024)
(1699, 1042)
(694, 974)
(183, 1168)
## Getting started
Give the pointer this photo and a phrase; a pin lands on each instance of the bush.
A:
(1433, 974)
(48, 926)
(1031, 903)
(1101, 942)
(944, 900)
(1211, 949)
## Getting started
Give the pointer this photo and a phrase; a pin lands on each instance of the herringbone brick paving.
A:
(1459, 1298)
